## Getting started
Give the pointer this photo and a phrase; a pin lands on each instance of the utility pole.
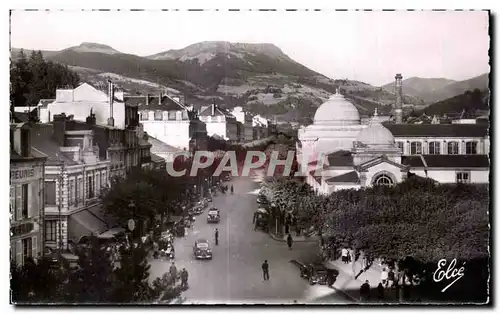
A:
(61, 178)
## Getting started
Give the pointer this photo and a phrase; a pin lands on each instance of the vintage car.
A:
(261, 219)
(316, 273)
(201, 249)
(213, 215)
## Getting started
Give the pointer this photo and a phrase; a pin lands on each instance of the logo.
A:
(450, 273)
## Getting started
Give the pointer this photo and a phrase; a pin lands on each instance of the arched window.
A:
(383, 179)
(452, 148)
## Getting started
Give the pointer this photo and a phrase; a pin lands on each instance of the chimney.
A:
(59, 128)
(159, 98)
(147, 99)
(399, 98)
(111, 90)
(213, 109)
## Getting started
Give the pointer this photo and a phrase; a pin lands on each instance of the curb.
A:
(275, 238)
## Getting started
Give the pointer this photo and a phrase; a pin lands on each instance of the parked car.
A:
(213, 215)
(201, 249)
(316, 273)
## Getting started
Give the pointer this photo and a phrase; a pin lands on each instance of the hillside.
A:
(260, 77)
(469, 102)
(432, 90)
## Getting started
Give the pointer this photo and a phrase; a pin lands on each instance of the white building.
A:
(246, 119)
(74, 177)
(339, 152)
(219, 122)
(168, 120)
(260, 127)
(163, 150)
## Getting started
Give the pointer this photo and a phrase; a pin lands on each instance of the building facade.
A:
(168, 120)
(27, 175)
(246, 120)
(219, 122)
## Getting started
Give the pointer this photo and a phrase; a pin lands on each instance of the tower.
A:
(399, 98)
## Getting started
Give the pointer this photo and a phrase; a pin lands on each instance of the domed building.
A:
(338, 152)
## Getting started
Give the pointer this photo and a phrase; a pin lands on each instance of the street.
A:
(235, 275)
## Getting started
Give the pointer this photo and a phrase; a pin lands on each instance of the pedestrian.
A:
(384, 276)
(184, 278)
(364, 291)
(380, 290)
(289, 240)
(345, 255)
(216, 236)
(390, 278)
(232, 189)
(173, 272)
(265, 270)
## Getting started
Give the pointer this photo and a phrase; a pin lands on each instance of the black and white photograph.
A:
(241, 157)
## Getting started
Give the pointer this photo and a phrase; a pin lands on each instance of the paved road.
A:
(234, 275)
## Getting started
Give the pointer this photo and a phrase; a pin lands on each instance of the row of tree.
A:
(418, 220)
(95, 280)
(32, 78)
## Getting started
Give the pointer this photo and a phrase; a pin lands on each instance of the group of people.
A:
(183, 274)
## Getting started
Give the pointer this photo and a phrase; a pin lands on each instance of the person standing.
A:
(345, 255)
(216, 236)
(173, 272)
(384, 276)
(184, 278)
(265, 270)
(364, 291)
(289, 240)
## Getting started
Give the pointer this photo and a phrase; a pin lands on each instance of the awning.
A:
(83, 224)
(98, 210)
(111, 233)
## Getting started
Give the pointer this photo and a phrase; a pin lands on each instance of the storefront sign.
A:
(22, 229)
(18, 174)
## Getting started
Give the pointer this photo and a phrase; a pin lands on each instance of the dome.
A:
(376, 134)
(337, 111)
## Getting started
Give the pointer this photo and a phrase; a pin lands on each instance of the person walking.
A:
(173, 272)
(184, 278)
(390, 278)
(345, 255)
(232, 189)
(289, 240)
(265, 270)
(216, 236)
(384, 276)
(364, 291)
(380, 290)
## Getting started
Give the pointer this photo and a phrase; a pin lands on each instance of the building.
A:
(246, 120)
(27, 175)
(219, 122)
(168, 120)
(338, 152)
(163, 150)
(74, 178)
(260, 127)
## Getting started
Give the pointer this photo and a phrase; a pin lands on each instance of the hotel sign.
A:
(23, 173)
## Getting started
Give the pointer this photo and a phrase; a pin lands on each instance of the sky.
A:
(359, 45)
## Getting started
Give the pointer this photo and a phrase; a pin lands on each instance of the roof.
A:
(167, 103)
(41, 139)
(351, 177)
(447, 161)
(437, 130)
(157, 159)
(340, 158)
(207, 111)
(158, 146)
(45, 102)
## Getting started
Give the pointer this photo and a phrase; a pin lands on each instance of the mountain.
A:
(432, 90)
(469, 102)
(260, 77)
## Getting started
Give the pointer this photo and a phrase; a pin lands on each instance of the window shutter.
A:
(34, 248)
(19, 202)
(30, 198)
(19, 252)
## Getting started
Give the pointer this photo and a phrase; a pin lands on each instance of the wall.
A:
(449, 175)
(31, 173)
(175, 133)
(482, 146)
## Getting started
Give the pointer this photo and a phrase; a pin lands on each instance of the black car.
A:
(316, 273)
(201, 249)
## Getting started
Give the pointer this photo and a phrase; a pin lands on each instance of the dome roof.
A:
(376, 134)
(337, 111)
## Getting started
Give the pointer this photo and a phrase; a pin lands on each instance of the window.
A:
(25, 143)
(463, 177)
(50, 193)
(415, 148)
(80, 190)
(50, 230)
(401, 145)
(90, 188)
(25, 200)
(144, 115)
(13, 201)
(171, 115)
(27, 249)
(158, 115)
(434, 148)
(71, 192)
(453, 148)
(383, 180)
(471, 148)
(98, 183)
(178, 115)
(185, 115)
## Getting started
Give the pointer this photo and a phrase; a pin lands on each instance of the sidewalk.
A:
(347, 284)
(313, 238)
